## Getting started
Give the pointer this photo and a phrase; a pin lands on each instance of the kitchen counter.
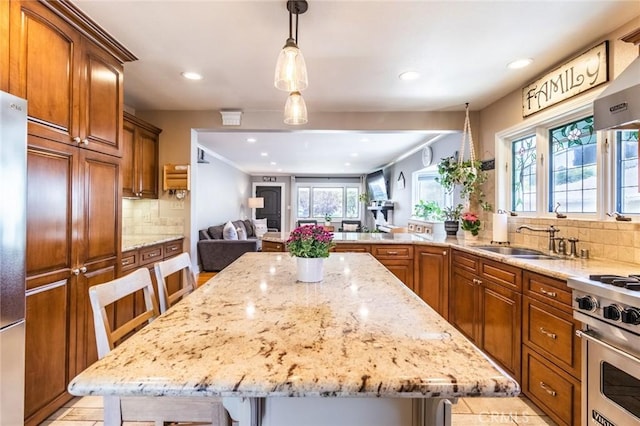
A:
(252, 331)
(561, 268)
(133, 242)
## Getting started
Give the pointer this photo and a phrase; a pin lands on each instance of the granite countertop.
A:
(254, 331)
(132, 242)
(561, 268)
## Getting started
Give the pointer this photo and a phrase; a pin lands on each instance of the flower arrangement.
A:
(471, 223)
(310, 241)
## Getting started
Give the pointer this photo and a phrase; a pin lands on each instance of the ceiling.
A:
(354, 52)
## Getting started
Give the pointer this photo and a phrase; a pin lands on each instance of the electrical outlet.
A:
(177, 205)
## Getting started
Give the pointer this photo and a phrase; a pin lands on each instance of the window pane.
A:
(352, 203)
(327, 201)
(573, 167)
(303, 202)
(628, 199)
(523, 159)
(430, 190)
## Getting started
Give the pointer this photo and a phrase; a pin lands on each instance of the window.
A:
(337, 201)
(523, 190)
(572, 175)
(627, 196)
(426, 188)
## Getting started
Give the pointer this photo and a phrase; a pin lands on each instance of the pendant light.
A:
(291, 71)
(295, 110)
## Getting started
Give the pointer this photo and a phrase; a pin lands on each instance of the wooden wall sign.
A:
(578, 75)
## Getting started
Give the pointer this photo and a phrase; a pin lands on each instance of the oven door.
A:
(612, 381)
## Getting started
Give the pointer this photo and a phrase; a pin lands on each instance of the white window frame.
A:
(540, 124)
(448, 196)
(336, 184)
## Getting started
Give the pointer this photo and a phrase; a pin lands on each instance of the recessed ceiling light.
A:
(354, 154)
(251, 140)
(519, 63)
(409, 75)
(191, 75)
(364, 139)
(273, 163)
(279, 170)
(347, 164)
(264, 154)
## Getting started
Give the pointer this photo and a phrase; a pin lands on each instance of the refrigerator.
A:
(13, 218)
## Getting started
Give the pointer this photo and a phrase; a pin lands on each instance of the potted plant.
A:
(452, 219)
(429, 210)
(310, 244)
(327, 219)
(471, 223)
(468, 175)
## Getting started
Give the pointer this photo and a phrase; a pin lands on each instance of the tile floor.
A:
(87, 411)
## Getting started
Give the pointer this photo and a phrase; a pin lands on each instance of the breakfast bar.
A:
(357, 348)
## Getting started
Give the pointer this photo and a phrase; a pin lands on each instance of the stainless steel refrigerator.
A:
(13, 219)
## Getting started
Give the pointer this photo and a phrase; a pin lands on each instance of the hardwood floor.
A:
(203, 277)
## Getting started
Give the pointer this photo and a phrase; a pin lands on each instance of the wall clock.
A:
(427, 156)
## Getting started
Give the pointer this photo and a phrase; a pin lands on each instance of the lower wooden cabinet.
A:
(270, 246)
(431, 277)
(352, 248)
(397, 258)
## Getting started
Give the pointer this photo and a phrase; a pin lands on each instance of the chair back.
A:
(351, 226)
(303, 222)
(103, 295)
(179, 264)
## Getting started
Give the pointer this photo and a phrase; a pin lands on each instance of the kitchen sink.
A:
(519, 252)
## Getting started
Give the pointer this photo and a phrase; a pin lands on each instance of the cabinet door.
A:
(464, 305)
(352, 248)
(501, 320)
(4, 46)
(270, 246)
(431, 277)
(401, 268)
(130, 184)
(51, 253)
(148, 163)
(98, 240)
(44, 55)
(101, 101)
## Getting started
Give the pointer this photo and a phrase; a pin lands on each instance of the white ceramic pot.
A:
(310, 270)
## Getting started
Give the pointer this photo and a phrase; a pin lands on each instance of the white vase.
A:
(310, 269)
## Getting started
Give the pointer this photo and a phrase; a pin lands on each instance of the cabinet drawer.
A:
(270, 246)
(556, 392)
(129, 260)
(552, 333)
(172, 248)
(465, 261)
(499, 273)
(151, 254)
(392, 251)
(547, 290)
(352, 248)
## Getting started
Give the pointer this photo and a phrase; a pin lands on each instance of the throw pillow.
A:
(260, 226)
(229, 232)
(350, 227)
(242, 234)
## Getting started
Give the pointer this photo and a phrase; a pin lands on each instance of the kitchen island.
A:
(358, 348)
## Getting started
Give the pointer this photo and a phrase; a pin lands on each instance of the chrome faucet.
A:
(552, 235)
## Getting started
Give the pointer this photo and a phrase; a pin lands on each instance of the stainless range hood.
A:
(618, 106)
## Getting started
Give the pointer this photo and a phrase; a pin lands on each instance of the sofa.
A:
(215, 252)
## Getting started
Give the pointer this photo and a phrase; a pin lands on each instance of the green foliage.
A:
(452, 213)
(468, 175)
(428, 211)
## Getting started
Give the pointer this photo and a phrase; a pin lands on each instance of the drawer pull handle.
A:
(153, 254)
(444, 253)
(547, 333)
(125, 263)
(548, 293)
(173, 248)
(392, 252)
(547, 389)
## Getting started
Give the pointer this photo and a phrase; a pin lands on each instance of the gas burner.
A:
(631, 282)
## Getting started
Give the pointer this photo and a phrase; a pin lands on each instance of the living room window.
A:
(336, 200)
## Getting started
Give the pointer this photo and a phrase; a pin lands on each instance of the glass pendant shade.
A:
(295, 110)
(291, 71)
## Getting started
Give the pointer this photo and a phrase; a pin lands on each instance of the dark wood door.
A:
(431, 277)
(272, 206)
(51, 254)
(44, 53)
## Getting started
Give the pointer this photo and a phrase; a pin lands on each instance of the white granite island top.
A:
(253, 331)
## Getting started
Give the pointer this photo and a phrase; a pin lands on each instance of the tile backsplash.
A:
(142, 217)
(612, 240)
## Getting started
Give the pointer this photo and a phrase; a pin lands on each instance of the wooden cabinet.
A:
(551, 350)
(70, 72)
(4, 46)
(73, 242)
(431, 277)
(397, 258)
(352, 248)
(139, 158)
(486, 305)
(270, 246)
(74, 88)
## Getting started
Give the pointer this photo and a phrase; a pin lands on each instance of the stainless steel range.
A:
(609, 308)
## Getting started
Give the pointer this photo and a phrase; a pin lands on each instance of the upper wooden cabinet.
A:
(139, 158)
(74, 87)
(4, 46)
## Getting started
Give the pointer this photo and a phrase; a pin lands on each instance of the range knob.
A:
(587, 303)
(612, 312)
(631, 316)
